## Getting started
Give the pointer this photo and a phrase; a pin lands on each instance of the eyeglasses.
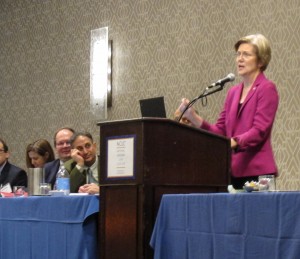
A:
(67, 143)
(245, 55)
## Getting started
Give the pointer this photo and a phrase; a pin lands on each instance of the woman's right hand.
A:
(190, 116)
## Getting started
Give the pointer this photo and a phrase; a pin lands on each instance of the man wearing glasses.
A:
(10, 174)
(63, 150)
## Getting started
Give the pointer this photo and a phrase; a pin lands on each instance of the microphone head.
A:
(231, 77)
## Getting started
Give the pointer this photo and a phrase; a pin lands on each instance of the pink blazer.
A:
(250, 126)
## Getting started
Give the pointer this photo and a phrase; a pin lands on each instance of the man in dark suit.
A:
(9, 173)
(63, 150)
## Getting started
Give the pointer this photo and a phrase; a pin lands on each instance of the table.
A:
(40, 227)
(257, 225)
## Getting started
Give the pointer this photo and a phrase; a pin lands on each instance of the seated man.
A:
(63, 150)
(83, 167)
(9, 173)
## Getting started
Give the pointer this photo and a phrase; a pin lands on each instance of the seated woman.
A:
(39, 153)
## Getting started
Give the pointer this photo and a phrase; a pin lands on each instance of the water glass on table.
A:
(45, 188)
(266, 183)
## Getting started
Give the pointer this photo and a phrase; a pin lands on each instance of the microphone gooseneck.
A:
(215, 87)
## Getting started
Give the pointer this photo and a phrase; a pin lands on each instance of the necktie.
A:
(89, 176)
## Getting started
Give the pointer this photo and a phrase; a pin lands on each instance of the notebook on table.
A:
(153, 107)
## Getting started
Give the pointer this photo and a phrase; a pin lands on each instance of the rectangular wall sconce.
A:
(109, 74)
(100, 73)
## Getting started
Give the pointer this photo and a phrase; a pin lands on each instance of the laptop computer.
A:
(153, 107)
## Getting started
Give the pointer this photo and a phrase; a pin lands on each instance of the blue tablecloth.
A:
(220, 226)
(48, 227)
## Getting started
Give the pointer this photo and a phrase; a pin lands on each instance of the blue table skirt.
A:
(49, 227)
(245, 225)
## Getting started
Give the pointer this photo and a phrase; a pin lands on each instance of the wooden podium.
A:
(142, 159)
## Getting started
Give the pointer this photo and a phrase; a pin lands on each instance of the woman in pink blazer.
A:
(248, 114)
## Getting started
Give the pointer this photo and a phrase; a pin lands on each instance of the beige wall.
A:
(173, 48)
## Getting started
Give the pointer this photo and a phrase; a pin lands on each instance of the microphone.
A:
(229, 78)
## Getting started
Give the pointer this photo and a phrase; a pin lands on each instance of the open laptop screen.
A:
(153, 107)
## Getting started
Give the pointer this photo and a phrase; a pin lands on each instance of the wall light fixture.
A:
(100, 73)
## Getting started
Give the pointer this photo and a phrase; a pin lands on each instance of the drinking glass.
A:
(45, 188)
(266, 183)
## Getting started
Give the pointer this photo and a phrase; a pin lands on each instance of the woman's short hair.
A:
(261, 46)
